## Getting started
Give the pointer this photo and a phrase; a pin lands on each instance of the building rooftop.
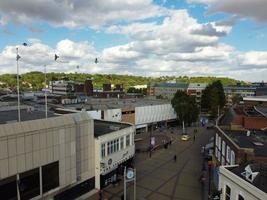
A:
(260, 180)
(106, 127)
(197, 85)
(262, 110)
(256, 140)
(255, 98)
(9, 114)
(171, 85)
(113, 103)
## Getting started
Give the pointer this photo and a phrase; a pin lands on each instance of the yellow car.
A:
(185, 137)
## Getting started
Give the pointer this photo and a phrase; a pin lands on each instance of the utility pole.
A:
(45, 93)
(18, 57)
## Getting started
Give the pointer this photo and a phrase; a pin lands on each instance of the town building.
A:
(166, 90)
(44, 158)
(243, 182)
(143, 113)
(114, 149)
(62, 157)
(195, 89)
(255, 101)
(237, 147)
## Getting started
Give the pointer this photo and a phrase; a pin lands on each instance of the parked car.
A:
(185, 137)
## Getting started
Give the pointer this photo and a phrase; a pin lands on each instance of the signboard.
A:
(153, 141)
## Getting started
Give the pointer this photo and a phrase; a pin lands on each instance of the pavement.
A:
(159, 177)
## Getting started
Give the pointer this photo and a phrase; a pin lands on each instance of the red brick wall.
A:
(238, 120)
(255, 122)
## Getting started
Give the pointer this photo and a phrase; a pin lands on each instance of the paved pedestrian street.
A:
(161, 178)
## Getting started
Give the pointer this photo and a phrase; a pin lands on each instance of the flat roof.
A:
(260, 180)
(171, 85)
(257, 140)
(105, 127)
(10, 116)
(114, 103)
(255, 98)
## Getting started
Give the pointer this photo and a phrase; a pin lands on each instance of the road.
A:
(161, 178)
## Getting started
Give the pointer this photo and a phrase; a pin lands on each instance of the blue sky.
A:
(139, 37)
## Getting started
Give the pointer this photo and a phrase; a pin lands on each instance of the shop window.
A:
(50, 176)
(8, 188)
(29, 184)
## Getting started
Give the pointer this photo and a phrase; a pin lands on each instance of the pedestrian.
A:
(174, 158)
(194, 138)
(100, 194)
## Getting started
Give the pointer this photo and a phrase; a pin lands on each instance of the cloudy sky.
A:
(137, 37)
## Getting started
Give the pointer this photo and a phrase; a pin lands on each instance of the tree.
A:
(213, 97)
(185, 107)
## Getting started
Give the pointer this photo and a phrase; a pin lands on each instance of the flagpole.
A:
(45, 93)
(18, 84)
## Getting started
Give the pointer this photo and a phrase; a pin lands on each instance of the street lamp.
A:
(18, 93)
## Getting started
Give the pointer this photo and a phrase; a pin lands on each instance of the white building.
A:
(114, 149)
(243, 183)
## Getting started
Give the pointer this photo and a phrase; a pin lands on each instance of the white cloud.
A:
(77, 13)
(255, 9)
(254, 59)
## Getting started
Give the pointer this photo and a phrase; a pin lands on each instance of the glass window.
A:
(50, 176)
(109, 148)
(219, 143)
(117, 144)
(232, 157)
(122, 142)
(227, 193)
(228, 152)
(103, 150)
(127, 140)
(29, 184)
(8, 188)
(240, 197)
(223, 148)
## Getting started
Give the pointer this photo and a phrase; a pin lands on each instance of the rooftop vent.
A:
(248, 174)
(248, 133)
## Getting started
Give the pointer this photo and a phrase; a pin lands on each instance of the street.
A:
(161, 177)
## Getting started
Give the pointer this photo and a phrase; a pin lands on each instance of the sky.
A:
(222, 38)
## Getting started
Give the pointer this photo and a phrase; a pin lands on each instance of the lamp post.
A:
(45, 93)
(17, 58)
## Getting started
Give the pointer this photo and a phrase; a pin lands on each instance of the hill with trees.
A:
(35, 80)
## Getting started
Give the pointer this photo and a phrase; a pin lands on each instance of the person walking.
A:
(194, 137)
(174, 158)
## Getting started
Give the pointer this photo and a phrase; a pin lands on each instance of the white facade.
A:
(154, 113)
(113, 149)
(237, 187)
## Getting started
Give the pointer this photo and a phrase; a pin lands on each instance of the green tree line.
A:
(35, 80)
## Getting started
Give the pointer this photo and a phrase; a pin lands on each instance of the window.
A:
(117, 144)
(227, 193)
(219, 143)
(223, 148)
(8, 188)
(29, 184)
(109, 148)
(122, 142)
(228, 154)
(103, 150)
(50, 176)
(240, 197)
(232, 157)
(127, 140)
